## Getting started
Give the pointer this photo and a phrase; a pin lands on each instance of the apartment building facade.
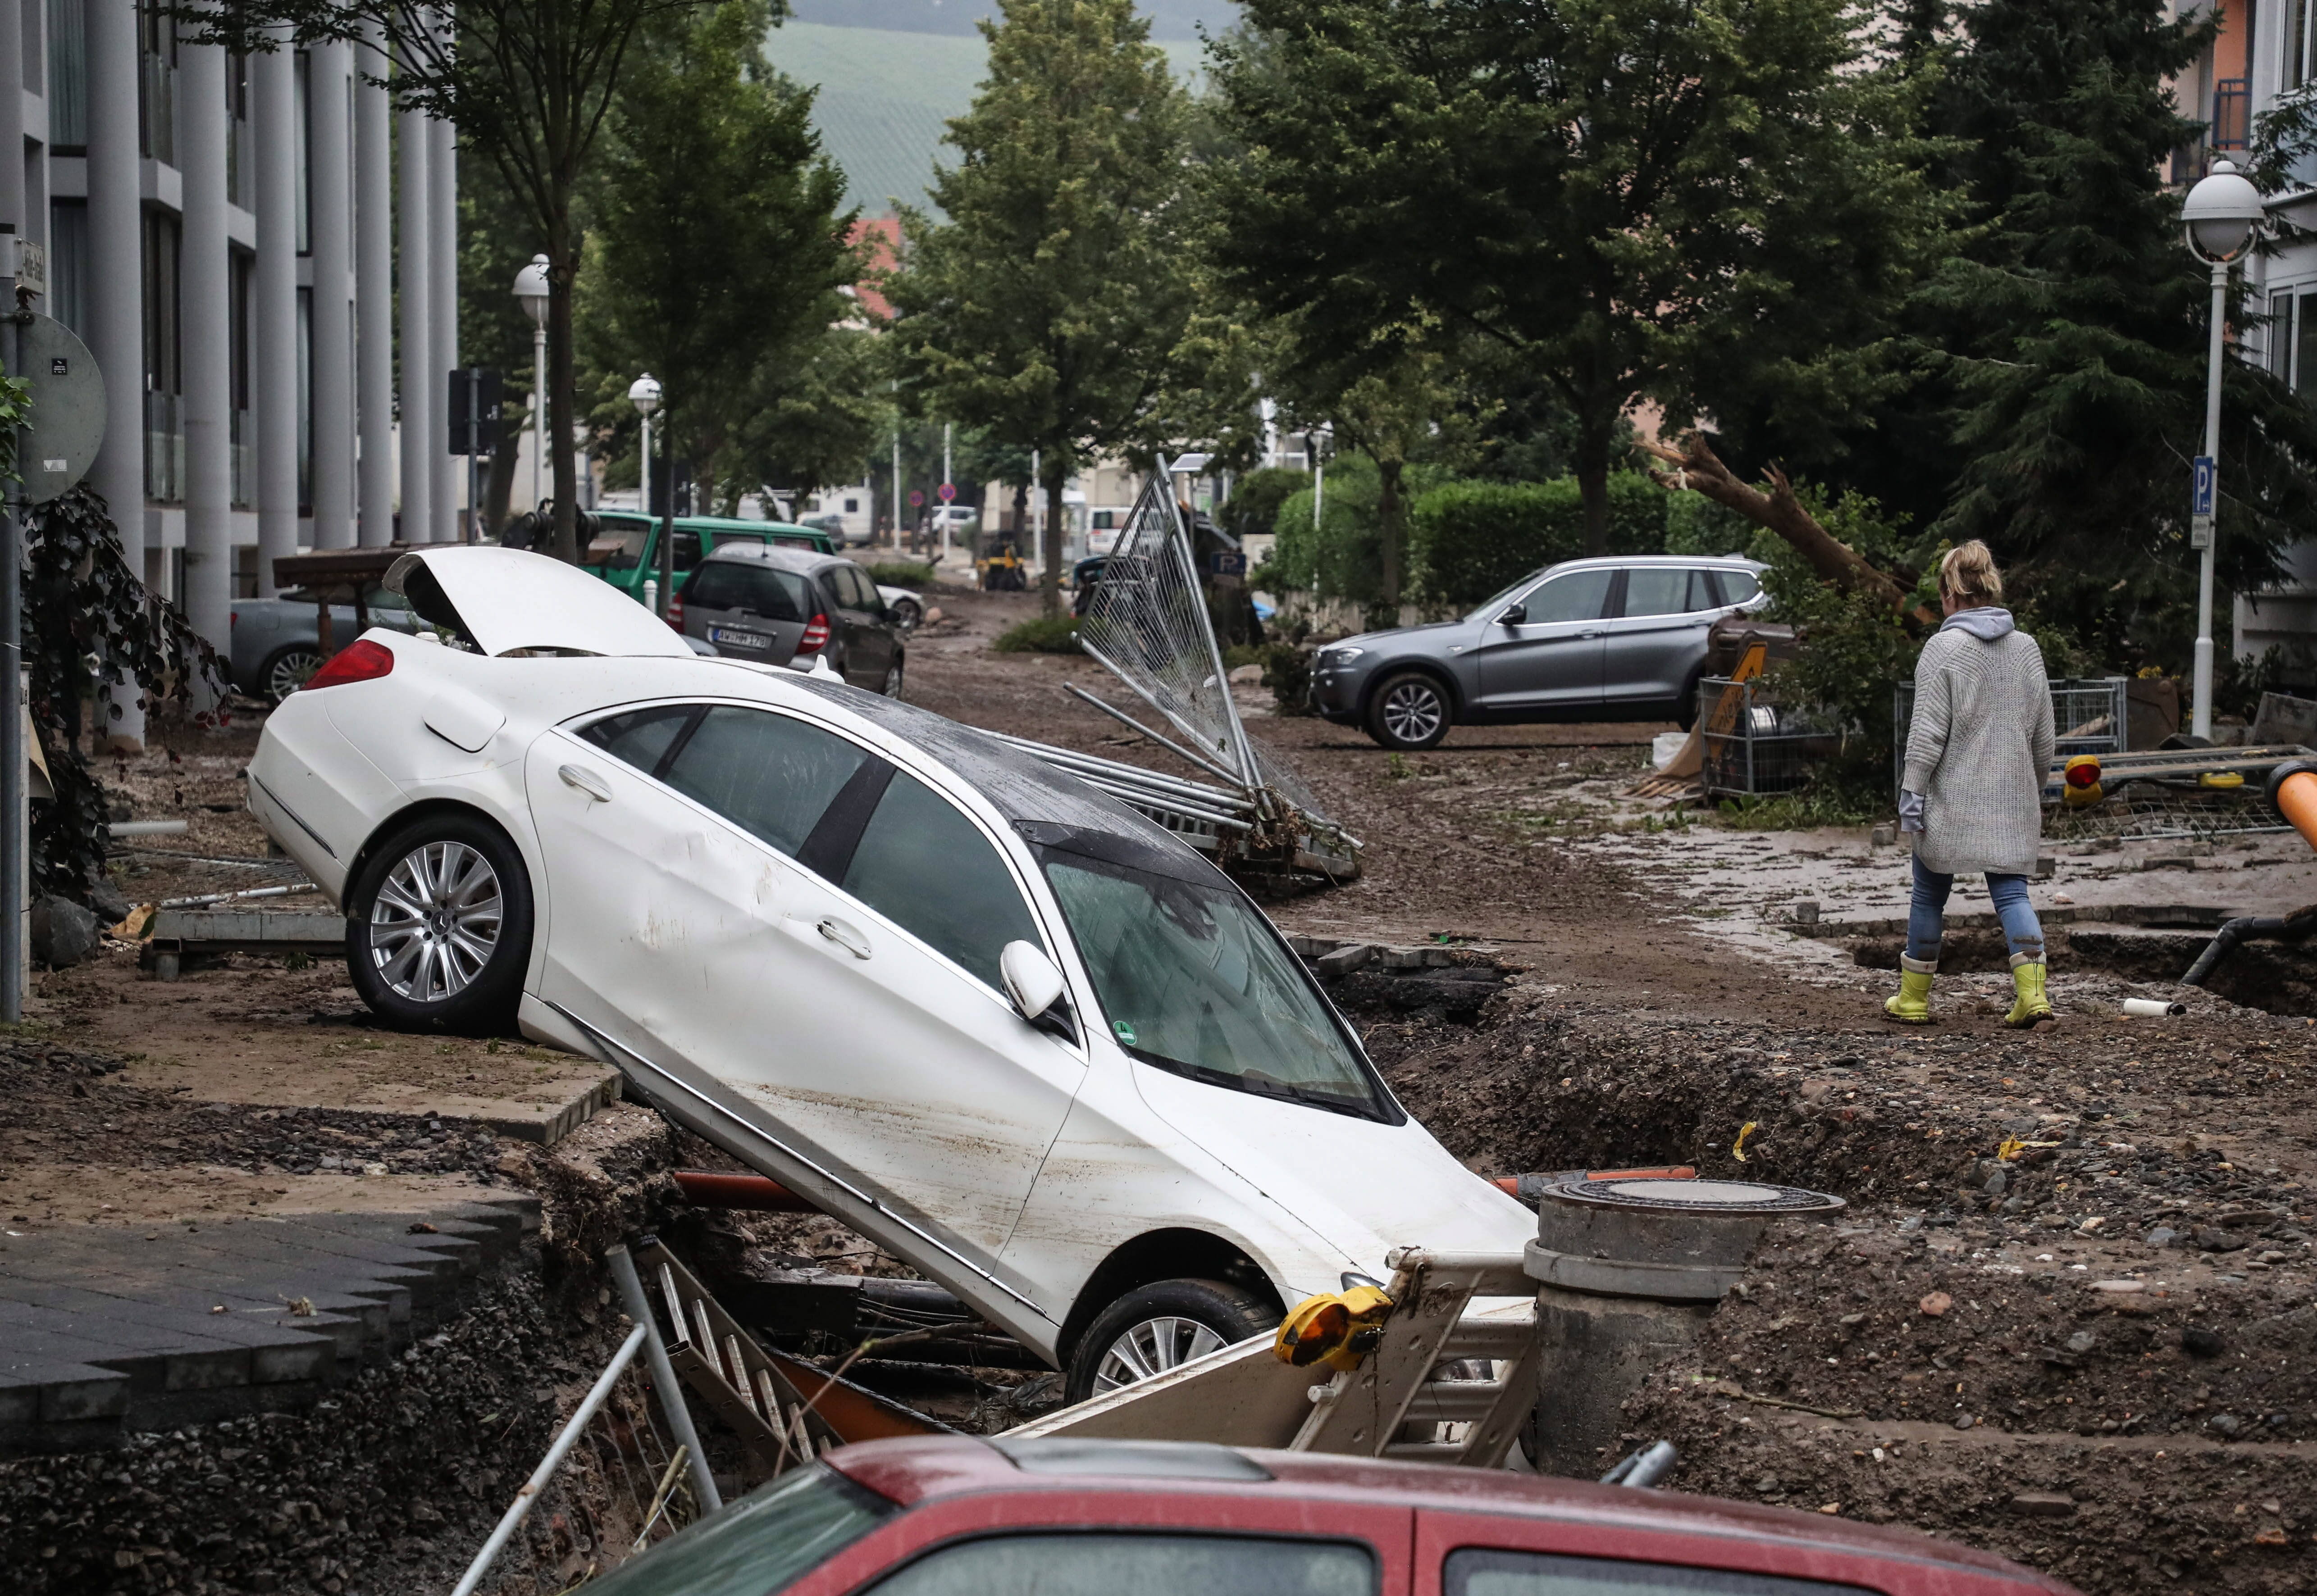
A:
(244, 244)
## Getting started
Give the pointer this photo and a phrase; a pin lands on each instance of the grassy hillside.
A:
(885, 94)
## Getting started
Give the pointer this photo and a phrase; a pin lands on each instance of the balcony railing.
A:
(158, 103)
(2232, 114)
(164, 449)
(244, 461)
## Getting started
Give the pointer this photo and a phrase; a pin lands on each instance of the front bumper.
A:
(1336, 694)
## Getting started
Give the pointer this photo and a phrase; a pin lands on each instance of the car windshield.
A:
(757, 1544)
(1489, 608)
(1191, 978)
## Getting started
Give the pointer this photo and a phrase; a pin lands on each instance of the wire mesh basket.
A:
(1751, 743)
(2090, 715)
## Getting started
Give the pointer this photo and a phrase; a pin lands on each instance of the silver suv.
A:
(1621, 639)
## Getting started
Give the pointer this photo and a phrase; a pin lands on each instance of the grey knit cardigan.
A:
(1978, 750)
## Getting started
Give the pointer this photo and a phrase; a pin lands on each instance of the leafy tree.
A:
(1054, 308)
(1668, 201)
(494, 329)
(2076, 325)
(812, 416)
(717, 248)
(529, 84)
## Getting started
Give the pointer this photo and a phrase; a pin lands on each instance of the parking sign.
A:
(946, 492)
(2204, 480)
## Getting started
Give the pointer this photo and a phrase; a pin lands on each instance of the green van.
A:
(625, 550)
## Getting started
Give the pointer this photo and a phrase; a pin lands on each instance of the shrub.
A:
(1467, 540)
(902, 573)
(1054, 634)
(1253, 508)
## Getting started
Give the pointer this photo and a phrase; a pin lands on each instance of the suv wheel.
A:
(438, 926)
(1409, 710)
(1154, 1328)
(289, 670)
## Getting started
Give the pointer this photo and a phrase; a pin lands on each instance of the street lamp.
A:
(644, 394)
(2221, 218)
(531, 287)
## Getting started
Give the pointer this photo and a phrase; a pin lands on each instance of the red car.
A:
(953, 1516)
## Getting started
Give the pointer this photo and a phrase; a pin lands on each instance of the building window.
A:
(244, 433)
(67, 77)
(240, 173)
(164, 438)
(305, 401)
(303, 75)
(2232, 113)
(69, 264)
(2298, 67)
(156, 84)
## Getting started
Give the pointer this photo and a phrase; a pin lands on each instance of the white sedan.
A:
(1010, 1030)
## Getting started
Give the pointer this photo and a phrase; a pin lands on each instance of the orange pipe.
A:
(709, 1189)
(2296, 801)
(1682, 1172)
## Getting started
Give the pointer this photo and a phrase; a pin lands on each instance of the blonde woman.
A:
(1972, 795)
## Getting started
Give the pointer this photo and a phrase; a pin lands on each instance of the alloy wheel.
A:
(1153, 1347)
(1413, 711)
(435, 922)
(892, 688)
(290, 672)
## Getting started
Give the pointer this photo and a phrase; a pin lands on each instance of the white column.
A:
(415, 279)
(328, 86)
(205, 311)
(374, 291)
(273, 308)
(12, 123)
(116, 295)
(442, 312)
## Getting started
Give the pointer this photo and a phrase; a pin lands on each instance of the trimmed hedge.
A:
(1467, 540)
(1044, 634)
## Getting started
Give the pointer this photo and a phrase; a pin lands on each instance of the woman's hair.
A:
(1968, 572)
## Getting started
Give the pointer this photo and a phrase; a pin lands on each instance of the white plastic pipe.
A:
(2153, 1007)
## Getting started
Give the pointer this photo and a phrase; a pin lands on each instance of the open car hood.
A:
(509, 600)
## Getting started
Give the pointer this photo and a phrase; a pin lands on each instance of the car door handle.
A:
(1595, 633)
(586, 781)
(843, 935)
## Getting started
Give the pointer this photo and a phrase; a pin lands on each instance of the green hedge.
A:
(1046, 634)
(1469, 538)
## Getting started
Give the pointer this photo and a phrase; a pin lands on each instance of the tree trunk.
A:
(563, 540)
(503, 466)
(1050, 581)
(1592, 484)
(1390, 537)
(1698, 467)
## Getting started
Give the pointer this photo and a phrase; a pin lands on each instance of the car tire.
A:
(907, 615)
(286, 670)
(1409, 710)
(892, 688)
(438, 926)
(1154, 1328)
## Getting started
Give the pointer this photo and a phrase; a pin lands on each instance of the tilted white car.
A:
(1012, 1030)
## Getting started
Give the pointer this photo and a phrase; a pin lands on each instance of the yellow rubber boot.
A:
(1912, 1006)
(2031, 1008)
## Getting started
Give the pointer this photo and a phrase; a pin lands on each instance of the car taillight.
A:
(675, 611)
(816, 635)
(362, 661)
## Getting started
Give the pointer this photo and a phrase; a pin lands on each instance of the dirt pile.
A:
(2066, 1314)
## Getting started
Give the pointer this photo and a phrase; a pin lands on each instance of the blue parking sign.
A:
(2204, 478)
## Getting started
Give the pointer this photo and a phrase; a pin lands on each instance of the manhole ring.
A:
(1696, 1196)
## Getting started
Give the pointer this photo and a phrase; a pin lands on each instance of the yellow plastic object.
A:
(2221, 778)
(2080, 781)
(1337, 1328)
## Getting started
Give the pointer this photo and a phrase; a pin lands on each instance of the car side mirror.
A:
(1034, 986)
(1514, 615)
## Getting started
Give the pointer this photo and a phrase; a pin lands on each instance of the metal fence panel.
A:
(2090, 715)
(1752, 745)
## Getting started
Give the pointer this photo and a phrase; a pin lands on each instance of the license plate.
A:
(738, 640)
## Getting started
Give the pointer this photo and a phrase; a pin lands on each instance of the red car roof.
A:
(916, 1471)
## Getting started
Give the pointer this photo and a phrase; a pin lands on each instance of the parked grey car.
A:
(782, 606)
(277, 642)
(1620, 638)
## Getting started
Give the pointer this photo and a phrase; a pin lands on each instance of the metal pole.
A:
(946, 429)
(666, 523)
(663, 1373)
(2200, 718)
(538, 412)
(511, 1520)
(14, 911)
(474, 454)
(897, 487)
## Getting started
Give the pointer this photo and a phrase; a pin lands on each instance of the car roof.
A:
(918, 1470)
(807, 560)
(1725, 562)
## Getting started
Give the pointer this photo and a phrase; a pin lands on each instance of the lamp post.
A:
(531, 287)
(644, 395)
(2222, 216)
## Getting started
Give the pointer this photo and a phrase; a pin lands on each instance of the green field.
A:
(885, 96)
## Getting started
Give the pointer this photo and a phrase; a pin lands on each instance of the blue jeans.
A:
(1929, 903)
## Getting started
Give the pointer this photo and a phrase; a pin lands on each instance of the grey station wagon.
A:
(1620, 638)
(782, 606)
